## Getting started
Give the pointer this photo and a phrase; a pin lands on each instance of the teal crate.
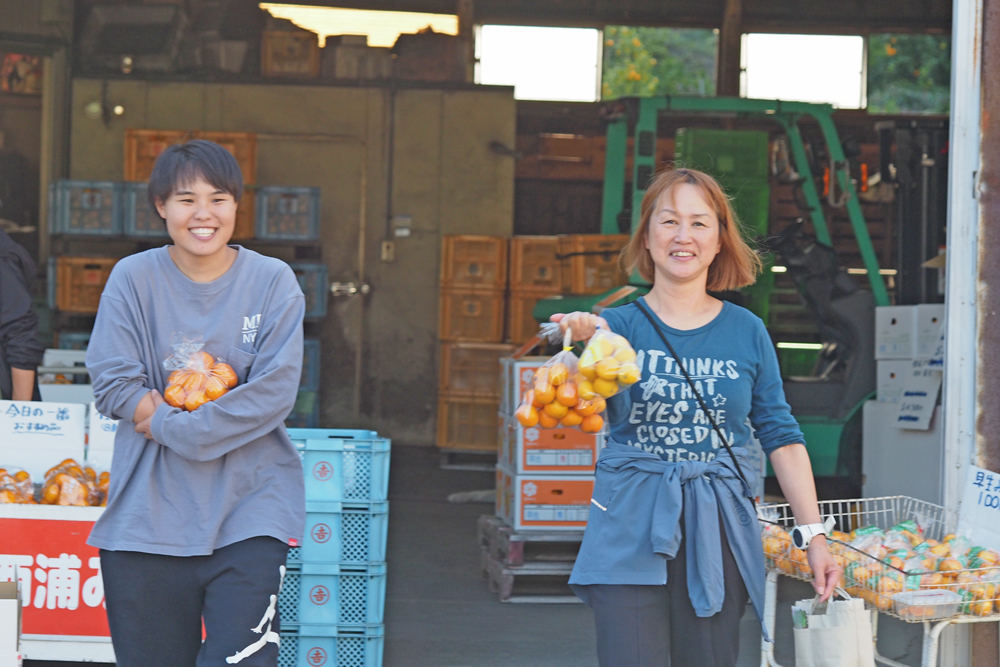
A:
(334, 593)
(355, 532)
(731, 156)
(310, 365)
(90, 208)
(140, 219)
(312, 280)
(287, 213)
(331, 646)
(339, 468)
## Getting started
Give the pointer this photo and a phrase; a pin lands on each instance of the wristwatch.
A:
(803, 535)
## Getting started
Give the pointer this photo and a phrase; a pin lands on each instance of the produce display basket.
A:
(886, 582)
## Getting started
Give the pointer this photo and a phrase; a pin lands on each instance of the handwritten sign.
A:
(979, 517)
(919, 396)
(100, 439)
(36, 436)
(937, 356)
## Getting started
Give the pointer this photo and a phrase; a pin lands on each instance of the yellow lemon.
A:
(607, 369)
(606, 388)
(589, 372)
(625, 354)
(628, 373)
(585, 389)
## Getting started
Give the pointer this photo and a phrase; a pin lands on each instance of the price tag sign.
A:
(37, 435)
(979, 517)
(919, 396)
(937, 358)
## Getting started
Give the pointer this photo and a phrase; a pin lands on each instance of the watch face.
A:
(797, 538)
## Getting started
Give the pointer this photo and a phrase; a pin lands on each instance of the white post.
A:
(962, 284)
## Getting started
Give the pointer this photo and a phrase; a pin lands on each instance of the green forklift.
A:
(827, 402)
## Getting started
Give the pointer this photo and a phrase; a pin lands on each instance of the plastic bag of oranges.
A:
(608, 365)
(69, 483)
(16, 487)
(197, 377)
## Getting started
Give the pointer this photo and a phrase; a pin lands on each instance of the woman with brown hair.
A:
(672, 551)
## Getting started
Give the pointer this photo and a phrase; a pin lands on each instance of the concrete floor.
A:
(440, 612)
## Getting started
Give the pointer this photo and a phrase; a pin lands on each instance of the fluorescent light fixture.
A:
(562, 64)
(805, 68)
(800, 346)
(864, 272)
(382, 28)
(779, 269)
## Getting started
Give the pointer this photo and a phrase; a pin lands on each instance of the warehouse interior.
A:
(407, 162)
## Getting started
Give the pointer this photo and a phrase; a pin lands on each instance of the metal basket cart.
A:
(935, 598)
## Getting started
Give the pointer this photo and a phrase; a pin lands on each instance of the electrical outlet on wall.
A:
(388, 251)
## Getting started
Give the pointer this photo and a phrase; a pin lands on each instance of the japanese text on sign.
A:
(980, 512)
(55, 581)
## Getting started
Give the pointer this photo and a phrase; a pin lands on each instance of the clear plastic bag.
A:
(72, 484)
(196, 376)
(16, 487)
(608, 365)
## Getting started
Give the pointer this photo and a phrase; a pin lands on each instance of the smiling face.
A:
(683, 237)
(200, 220)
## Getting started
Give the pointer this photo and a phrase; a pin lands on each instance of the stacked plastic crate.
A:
(535, 273)
(332, 601)
(590, 262)
(473, 284)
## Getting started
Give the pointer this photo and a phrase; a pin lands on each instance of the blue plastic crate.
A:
(346, 468)
(334, 593)
(85, 207)
(331, 646)
(287, 213)
(310, 365)
(312, 280)
(74, 340)
(353, 532)
(140, 218)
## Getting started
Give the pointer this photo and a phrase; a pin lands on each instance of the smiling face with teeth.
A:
(683, 236)
(200, 220)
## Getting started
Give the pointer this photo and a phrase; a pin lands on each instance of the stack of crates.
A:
(590, 262)
(473, 284)
(332, 601)
(535, 274)
(545, 477)
(740, 161)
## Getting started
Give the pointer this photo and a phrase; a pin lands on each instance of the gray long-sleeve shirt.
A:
(227, 471)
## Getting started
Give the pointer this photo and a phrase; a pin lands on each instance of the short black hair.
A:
(185, 163)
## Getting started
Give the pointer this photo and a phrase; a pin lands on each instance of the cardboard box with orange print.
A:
(548, 451)
(516, 377)
(543, 502)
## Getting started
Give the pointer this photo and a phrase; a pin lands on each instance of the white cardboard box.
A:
(10, 622)
(37, 435)
(891, 376)
(894, 332)
(927, 324)
(100, 439)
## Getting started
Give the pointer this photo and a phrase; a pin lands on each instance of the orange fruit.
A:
(201, 361)
(567, 395)
(225, 373)
(546, 421)
(941, 550)
(592, 424)
(195, 400)
(949, 565)
(178, 377)
(194, 381)
(89, 474)
(572, 418)
(104, 477)
(22, 475)
(558, 373)
(215, 388)
(556, 410)
(51, 494)
(585, 408)
(544, 394)
(586, 389)
(174, 396)
(601, 404)
(607, 369)
(606, 388)
(541, 376)
(527, 415)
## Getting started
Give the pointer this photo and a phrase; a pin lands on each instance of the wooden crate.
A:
(80, 281)
(468, 423)
(142, 147)
(474, 261)
(430, 56)
(245, 216)
(590, 262)
(534, 263)
(472, 369)
(521, 326)
(289, 53)
(471, 315)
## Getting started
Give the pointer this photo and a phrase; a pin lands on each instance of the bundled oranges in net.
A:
(16, 487)
(564, 395)
(69, 483)
(200, 380)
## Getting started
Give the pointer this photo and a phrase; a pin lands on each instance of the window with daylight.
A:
(658, 61)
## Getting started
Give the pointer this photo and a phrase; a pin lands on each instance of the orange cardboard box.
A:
(549, 450)
(543, 502)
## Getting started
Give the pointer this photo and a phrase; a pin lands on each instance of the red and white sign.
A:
(62, 592)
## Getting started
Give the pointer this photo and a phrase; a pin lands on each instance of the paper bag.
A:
(840, 638)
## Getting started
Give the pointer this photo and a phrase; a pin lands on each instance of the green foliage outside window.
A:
(909, 73)
(657, 61)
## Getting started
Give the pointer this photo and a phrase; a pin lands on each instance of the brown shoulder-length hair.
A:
(736, 265)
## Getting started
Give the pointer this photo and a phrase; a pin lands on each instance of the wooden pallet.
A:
(515, 549)
(527, 566)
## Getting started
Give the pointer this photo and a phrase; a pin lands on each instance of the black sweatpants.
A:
(656, 626)
(156, 605)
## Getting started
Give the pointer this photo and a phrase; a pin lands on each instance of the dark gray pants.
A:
(156, 605)
(656, 626)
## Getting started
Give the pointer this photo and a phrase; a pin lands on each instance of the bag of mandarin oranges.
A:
(197, 377)
(570, 392)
